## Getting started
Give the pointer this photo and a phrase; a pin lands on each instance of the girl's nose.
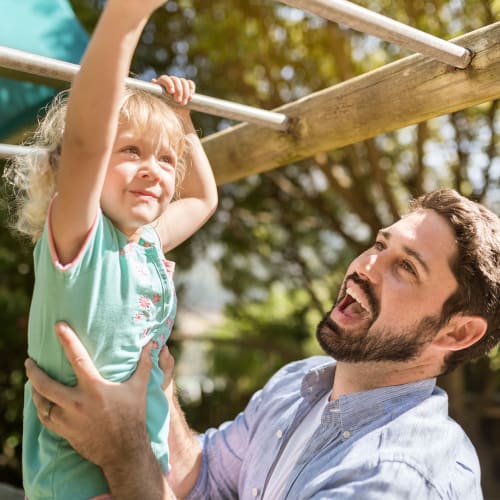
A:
(150, 170)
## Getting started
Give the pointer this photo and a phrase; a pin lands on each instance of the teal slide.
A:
(45, 27)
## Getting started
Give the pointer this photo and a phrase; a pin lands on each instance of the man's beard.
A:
(375, 344)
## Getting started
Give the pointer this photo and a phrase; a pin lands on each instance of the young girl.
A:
(98, 206)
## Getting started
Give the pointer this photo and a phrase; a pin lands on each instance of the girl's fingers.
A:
(192, 87)
(186, 91)
(180, 89)
(166, 82)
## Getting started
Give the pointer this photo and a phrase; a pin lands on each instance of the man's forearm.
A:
(138, 474)
(184, 448)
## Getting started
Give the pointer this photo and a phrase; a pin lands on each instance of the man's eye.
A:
(379, 245)
(406, 266)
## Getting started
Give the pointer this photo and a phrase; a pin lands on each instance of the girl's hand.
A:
(180, 89)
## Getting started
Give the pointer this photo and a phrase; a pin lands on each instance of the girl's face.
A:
(140, 181)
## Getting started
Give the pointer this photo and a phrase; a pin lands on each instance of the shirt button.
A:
(255, 492)
(346, 434)
(279, 434)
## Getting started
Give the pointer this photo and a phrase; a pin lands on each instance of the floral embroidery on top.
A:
(150, 305)
(144, 302)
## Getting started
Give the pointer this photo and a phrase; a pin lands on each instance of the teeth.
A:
(353, 294)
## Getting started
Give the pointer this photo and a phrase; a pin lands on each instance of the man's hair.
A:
(475, 265)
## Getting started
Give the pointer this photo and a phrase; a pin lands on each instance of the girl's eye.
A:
(379, 245)
(132, 150)
(167, 160)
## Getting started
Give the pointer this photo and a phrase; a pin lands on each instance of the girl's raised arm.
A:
(198, 192)
(92, 119)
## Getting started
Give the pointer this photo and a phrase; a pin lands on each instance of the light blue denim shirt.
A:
(389, 443)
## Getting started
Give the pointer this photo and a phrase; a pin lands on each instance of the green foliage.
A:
(254, 341)
(16, 281)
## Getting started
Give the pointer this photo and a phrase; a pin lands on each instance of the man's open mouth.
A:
(352, 304)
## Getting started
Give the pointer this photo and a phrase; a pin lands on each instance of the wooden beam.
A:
(402, 93)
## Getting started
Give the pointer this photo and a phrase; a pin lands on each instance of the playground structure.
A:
(442, 78)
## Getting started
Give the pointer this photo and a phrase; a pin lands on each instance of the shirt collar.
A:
(352, 411)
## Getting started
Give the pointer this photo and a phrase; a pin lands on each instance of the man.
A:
(370, 425)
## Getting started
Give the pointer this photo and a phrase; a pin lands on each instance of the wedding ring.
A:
(48, 409)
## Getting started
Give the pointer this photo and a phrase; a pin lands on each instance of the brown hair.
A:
(475, 265)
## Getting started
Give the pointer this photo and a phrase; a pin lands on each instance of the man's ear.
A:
(460, 332)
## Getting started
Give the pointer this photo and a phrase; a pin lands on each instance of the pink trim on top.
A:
(169, 266)
(53, 251)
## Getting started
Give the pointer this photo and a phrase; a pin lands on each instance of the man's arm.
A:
(183, 444)
(104, 421)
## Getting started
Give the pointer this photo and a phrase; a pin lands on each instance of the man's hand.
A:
(104, 421)
(167, 364)
(93, 415)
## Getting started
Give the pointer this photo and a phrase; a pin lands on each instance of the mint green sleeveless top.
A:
(117, 295)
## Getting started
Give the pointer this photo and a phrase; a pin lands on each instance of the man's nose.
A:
(370, 266)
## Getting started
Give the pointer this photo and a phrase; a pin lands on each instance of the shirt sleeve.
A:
(389, 479)
(223, 451)
(226, 449)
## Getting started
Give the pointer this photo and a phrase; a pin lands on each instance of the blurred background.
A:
(254, 282)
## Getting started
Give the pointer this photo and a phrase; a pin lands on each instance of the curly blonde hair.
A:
(33, 176)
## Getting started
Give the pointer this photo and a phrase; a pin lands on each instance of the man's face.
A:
(390, 303)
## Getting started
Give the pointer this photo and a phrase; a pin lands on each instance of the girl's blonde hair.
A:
(33, 176)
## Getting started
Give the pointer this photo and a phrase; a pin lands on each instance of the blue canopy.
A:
(44, 27)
